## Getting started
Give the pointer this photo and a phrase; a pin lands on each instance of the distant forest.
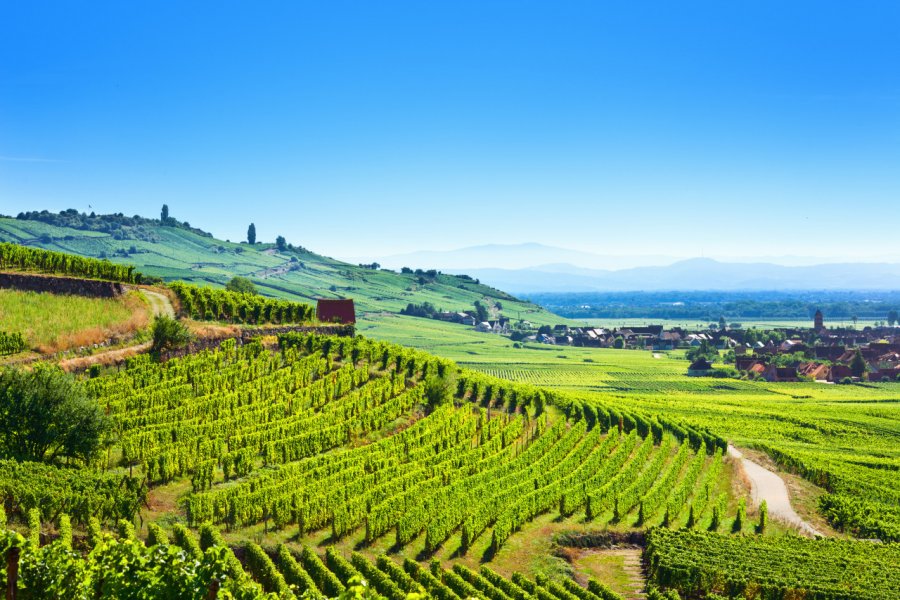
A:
(712, 305)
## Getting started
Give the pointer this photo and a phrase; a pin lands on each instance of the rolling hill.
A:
(177, 251)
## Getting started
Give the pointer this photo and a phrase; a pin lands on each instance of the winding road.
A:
(768, 486)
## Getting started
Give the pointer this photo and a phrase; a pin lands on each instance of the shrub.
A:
(168, 334)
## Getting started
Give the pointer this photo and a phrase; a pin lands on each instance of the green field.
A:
(51, 322)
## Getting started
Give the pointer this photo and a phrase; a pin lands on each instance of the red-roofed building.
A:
(336, 311)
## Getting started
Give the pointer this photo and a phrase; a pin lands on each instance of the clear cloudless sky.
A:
(371, 128)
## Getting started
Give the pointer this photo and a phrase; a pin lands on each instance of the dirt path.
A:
(159, 303)
(768, 486)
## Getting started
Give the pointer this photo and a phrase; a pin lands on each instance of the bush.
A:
(168, 334)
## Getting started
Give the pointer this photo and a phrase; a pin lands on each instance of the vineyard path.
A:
(768, 486)
(159, 303)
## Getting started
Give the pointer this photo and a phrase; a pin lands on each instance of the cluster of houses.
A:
(832, 362)
(821, 354)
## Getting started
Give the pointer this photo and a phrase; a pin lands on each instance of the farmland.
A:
(306, 460)
(174, 253)
(841, 438)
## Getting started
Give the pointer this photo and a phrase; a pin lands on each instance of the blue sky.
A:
(374, 128)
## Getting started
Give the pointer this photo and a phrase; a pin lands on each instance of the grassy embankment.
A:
(54, 323)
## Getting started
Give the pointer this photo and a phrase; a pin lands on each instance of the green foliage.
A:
(45, 415)
(156, 535)
(438, 390)
(168, 334)
(11, 342)
(34, 527)
(65, 531)
(705, 351)
(858, 365)
(481, 311)
(13, 256)
(209, 304)
(251, 234)
(241, 285)
(776, 567)
(123, 569)
(763, 518)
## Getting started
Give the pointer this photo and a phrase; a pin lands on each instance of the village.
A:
(817, 353)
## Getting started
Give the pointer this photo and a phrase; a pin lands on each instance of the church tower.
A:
(819, 321)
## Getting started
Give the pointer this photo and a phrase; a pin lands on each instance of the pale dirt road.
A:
(768, 486)
(159, 303)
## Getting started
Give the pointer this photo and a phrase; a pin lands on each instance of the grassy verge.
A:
(53, 323)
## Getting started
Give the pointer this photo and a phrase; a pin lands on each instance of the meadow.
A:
(52, 323)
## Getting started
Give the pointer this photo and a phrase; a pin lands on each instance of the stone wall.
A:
(61, 285)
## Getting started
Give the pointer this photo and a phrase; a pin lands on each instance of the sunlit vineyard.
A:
(844, 439)
(189, 566)
(296, 438)
(698, 563)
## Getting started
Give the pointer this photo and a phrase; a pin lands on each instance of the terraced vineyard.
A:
(844, 439)
(295, 438)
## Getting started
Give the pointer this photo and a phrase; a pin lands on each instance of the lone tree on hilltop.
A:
(46, 415)
(281, 243)
(164, 214)
(251, 234)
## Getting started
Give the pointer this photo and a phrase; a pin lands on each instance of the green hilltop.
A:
(173, 250)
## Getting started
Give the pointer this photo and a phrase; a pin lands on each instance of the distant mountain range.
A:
(694, 274)
(514, 256)
(533, 268)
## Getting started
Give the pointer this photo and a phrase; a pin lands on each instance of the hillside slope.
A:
(176, 251)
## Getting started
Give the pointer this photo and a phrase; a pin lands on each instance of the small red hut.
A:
(336, 311)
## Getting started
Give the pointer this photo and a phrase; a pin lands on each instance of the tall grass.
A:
(52, 323)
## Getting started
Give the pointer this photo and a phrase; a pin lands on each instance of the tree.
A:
(858, 365)
(855, 320)
(722, 324)
(893, 318)
(164, 214)
(619, 342)
(705, 351)
(481, 311)
(438, 390)
(281, 243)
(46, 415)
(251, 234)
(242, 285)
(168, 333)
